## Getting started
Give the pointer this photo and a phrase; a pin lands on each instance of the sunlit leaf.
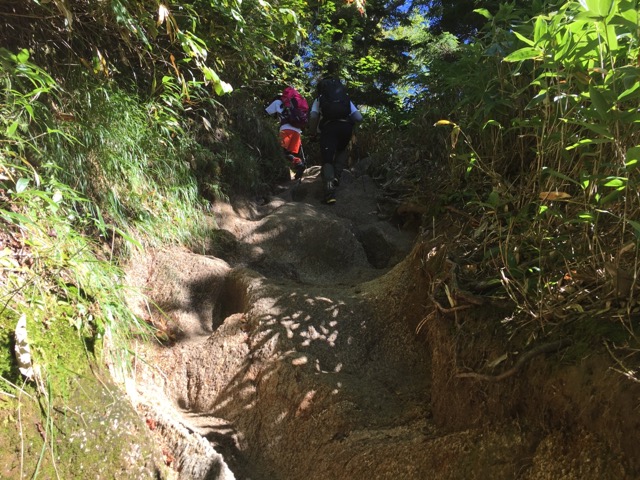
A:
(587, 141)
(484, 12)
(632, 158)
(163, 14)
(601, 8)
(537, 99)
(540, 29)
(611, 38)
(627, 94)
(616, 182)
(599, 129)
(443, 122)
(22, 184)
(494, 123)
(524, 39)
(526, 53)
(11, 129)
(22, 56)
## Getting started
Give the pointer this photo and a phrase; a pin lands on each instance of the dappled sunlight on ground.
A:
(318, 363)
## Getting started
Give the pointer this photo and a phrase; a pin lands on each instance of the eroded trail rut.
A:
(291, 351)
(290, 362)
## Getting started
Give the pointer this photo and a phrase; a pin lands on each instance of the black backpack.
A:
(335, 103)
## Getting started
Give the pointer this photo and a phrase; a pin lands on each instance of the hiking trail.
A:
(297, 345)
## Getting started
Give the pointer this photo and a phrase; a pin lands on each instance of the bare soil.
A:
(306, 341)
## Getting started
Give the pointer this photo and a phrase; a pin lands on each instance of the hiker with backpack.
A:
(334, 115)
(293, 112)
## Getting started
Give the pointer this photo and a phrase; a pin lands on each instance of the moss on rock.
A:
(95, 433)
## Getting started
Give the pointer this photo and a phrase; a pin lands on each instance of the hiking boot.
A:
(330, 198)
(299, 169)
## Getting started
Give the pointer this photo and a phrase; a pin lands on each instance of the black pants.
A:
(334, 139)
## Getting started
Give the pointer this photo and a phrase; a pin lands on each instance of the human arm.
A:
(274, 108)
(355, 116)
(314, 119)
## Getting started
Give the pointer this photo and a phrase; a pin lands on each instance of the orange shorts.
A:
(290, 141)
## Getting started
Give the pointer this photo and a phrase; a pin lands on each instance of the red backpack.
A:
(296, 108)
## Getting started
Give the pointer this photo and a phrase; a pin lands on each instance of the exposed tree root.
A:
(524, 358)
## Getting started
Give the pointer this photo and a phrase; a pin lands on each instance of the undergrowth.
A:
(533, 127)
(86, 175)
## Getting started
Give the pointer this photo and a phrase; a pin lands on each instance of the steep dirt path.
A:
(291, 353)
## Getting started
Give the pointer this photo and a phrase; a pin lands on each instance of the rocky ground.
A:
(303, 341)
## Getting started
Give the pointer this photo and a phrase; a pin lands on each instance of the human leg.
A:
(328, 151)
(291, 144)
(343, 133)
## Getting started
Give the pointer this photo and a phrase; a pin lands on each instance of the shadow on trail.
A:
(303, 356)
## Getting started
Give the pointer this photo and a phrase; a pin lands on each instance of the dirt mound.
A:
(292, 347)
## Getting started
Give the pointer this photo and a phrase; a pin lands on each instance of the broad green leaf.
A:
(630, 117)
(566, 44)
(540, 29)
(524, 39)
(540, 97)
(288, 15)
(484, 12)
(630, 91)
(602, 8)
(611, 197)
(616, 182)
(629, 12)
(526, 53)
(493, 199)
(22, 184)
(219, 86)
(632, 158)
(22, 56)
(599, 101)
(610, 38)
(11, 129)
(629, 22)
(582, 18)
(599, 129)
(222, 87)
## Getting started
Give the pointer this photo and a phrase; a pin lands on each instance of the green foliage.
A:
(53, 276)
(543, 145)
(130, 159)
(50, 271)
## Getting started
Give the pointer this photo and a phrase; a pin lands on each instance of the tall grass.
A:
(134, 169)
